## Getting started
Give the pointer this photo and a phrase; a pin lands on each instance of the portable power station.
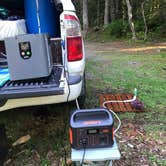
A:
(91, 128)
(28, 56)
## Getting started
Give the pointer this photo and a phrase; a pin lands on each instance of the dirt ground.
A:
(49, 143)
(110, 47)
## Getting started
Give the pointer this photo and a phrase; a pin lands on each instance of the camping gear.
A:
(4, 13)
(12, 28)
(14, 17)
(91, 128)
(28, 56)
(4, 76)
(41, 17)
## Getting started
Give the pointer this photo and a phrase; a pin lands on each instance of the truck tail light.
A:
(74, 38)
(74, 48)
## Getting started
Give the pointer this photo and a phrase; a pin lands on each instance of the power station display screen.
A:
(92, 131)
(25, 50)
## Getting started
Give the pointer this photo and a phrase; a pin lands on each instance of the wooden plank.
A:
(121, 105)
(130, 96)
(117, 107)
(127, 105)
(108, 98)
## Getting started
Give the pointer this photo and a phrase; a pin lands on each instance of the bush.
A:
(139, 25)
(118, 28)
(161, 30)
(140, 35)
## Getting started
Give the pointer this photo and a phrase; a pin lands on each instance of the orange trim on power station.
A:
(71, 136)
(112, 132)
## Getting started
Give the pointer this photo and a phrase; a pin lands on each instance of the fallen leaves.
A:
(130, 130)
(136, 145)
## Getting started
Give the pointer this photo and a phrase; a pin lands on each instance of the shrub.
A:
(118, 28)
(139, 25)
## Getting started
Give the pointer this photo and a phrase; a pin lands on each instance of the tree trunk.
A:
(124, 11)
(85, 17)
(98, 12)
(112, 10)
(106, 13)
(118, 9)
(130, 17)
(143, 15)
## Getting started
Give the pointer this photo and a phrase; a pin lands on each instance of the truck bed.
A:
(34, 88)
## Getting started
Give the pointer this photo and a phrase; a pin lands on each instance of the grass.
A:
(45, 162)
(120, 71)
(124, 72)
(154, 158)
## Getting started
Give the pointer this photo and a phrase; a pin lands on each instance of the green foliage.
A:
(45, 162)
(118, 28)
(155, 159)
(139, 25)
(154, 11)
(161, 29)
(158, 33)
(140, 35)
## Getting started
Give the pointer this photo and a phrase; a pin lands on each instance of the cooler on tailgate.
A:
(41, 17)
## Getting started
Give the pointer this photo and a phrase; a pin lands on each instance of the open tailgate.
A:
(53, 85)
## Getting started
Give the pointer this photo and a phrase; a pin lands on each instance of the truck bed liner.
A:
(34, 88)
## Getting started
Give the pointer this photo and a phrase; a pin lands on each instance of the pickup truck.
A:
(67, 80)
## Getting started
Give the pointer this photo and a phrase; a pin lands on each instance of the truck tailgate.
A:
(34, 88)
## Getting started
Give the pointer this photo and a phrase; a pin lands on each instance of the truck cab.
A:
(66, 81)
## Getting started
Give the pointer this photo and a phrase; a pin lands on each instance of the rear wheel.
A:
(3, 144)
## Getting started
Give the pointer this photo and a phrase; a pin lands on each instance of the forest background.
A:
(139, 20)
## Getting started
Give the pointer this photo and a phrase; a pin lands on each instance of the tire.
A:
(82, 97)
(3, 144)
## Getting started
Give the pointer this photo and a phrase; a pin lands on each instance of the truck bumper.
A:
(71, 92)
